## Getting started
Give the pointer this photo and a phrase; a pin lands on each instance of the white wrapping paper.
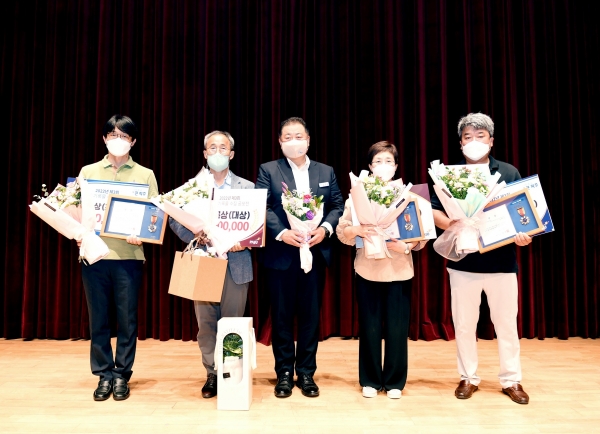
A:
(92, 247)
(372, 213)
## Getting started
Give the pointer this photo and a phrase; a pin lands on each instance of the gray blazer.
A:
(240, 263)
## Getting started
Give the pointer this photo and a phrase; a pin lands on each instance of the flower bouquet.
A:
(464, 191)
(304, 212)
(378, 203)
(69, 210)
(190, 205)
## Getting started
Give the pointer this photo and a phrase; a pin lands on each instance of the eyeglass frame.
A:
(210, 151)
(123, 136)
(388, 162)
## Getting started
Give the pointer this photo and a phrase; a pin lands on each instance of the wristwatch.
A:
(407, 250)
(327, 233)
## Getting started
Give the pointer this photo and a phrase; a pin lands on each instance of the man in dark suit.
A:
(292, 291)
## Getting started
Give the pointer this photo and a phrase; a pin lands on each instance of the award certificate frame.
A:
(401, 229)
(126, 215)
(502, 219)
(100, 189)
(410, 225)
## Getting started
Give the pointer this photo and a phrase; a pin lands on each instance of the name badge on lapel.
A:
(323, 184)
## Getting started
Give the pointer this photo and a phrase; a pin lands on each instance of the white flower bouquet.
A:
(210, 252)
(190, 205)
(69, 210)
(378, 203)
(190, 191)
(463, 191)
(304, 212)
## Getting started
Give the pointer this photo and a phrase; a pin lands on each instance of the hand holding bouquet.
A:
(304, 212)
(69, 210)
(377, 203)
(464, 191)
(190, 205)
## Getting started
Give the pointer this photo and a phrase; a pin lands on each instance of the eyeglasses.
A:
(123, 136)
(223, 150)
(388, 161)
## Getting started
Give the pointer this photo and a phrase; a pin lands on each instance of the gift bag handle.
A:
(190, 247)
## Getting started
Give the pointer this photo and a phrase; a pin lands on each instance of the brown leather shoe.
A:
(517, 394)
(465, 390)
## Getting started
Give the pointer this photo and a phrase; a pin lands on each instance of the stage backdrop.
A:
(358, 72)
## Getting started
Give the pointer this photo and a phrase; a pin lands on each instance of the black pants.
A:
(118, 282)
(383, 313)
(295, 293)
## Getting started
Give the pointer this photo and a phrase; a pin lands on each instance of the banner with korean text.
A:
(241, 212)
(100, 190)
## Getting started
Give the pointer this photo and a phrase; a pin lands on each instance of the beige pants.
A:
(502, 293)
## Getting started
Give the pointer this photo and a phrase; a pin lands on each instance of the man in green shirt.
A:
(118, 276)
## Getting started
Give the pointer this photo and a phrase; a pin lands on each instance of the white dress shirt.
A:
(302, 181)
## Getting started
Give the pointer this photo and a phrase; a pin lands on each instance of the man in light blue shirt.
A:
(218, 151)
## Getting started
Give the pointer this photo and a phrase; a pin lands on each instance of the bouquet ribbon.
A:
(306, 227)
(92, 247)
(196, 216)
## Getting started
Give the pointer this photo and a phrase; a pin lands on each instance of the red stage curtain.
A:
(358, 72)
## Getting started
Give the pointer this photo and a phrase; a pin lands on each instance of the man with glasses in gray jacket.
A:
(218, 151)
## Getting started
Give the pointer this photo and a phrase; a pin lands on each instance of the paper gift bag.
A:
(197, 278)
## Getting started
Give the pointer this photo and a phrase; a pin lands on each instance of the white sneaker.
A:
(394, 394)
(369, 392)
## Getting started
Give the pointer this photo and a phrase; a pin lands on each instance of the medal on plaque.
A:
(153, 219)
(524, 219)
(408, 226)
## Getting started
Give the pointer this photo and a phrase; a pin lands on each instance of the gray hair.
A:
(223, 133)
(479, 121)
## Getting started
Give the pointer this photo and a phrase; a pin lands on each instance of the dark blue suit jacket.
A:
(277, 254)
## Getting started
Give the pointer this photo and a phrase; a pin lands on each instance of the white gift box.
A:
(234, 374)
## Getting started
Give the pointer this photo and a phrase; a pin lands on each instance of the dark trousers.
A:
(383, 313)
(118, 282)
(295, 293)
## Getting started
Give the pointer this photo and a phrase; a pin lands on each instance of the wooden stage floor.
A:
(46, 386)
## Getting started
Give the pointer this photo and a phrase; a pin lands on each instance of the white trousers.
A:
(502, 293)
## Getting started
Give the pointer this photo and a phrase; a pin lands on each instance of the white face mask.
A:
(218, 162)
(118, 147)
(476, 150)
(294, 148)
(384, 171)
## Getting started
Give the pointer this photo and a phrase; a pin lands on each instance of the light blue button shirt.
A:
(227, 184)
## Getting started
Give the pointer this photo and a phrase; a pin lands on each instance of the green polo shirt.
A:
(128, 172)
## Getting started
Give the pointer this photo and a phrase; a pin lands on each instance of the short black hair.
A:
(383, 146)
(122, 122)
(293, 120)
